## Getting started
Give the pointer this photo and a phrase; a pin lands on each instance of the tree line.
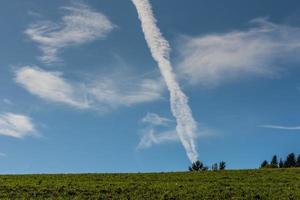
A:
(199, 166)
(290, 161)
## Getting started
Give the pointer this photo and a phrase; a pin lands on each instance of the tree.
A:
(222, 165)
(274, 162)
(205, 168)
(298, 161)
(280, 163)
(290, 160)
(196, 166)
(214, 167)
(264, 164)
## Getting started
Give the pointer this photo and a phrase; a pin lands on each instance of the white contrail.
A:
(281, 127)
(160, 50)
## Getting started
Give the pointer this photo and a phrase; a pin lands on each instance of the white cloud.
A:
(161, 130)
(16, 125)
(150, 134)
(213, 58)
(281, 127)
(153, 135)
(155, 119)
(3, 155)
(113, 93)
(49, 85)
(79, 25)
(96, 94)
(7, 101)
(150, 137)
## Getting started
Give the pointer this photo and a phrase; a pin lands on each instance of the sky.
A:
(81, 89)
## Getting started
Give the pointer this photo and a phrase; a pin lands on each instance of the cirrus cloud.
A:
(151, 137)
(101, 94)
(157, 130)
(79, 25)
(214, 58)
(161, 130)
(16, 125)
(49, 85)
(155, 119)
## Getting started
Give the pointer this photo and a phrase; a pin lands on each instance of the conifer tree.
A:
(264, 164)
(214, 167)
(298, 161)
(274, 162)
(222, 165)
(290, 160)
(280, 163)
(196, 166)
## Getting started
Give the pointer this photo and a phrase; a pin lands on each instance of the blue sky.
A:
(80, 91)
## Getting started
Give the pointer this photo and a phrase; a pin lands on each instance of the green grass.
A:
(230, 184)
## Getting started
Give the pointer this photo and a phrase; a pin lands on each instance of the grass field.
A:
(229, 184)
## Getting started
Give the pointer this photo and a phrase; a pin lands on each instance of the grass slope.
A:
(230, 184)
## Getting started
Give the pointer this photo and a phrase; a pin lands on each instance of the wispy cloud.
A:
(49, 85)
(161, 130)
(95, 94)
(3, 155)
(7, 101)
(155, 119)
(213, 58)
(16, 125)
(151, 136)
(34, 13)
(80, 24)
(113, 93)
(281, 127)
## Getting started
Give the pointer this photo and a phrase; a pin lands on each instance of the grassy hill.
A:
(229, 184)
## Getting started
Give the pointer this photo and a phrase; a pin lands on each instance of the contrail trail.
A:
(160, 50)
(281, 127)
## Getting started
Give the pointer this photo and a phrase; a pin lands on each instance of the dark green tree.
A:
(264, 164)
(222, 165)
(298, 161)
(205, 168)
(214, 167)
(274, 162)
(196, 166)
(290, 161)
(280, 163)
